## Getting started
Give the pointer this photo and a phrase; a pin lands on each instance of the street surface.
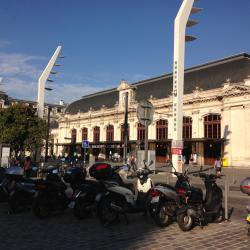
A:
(64, 231)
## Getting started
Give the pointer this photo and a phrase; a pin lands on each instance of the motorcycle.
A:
(199, 211)
(166, 199)
(245, 188)
(120, 198)
(57, 192)
(16, 190)
(91, 190)
(85, 200)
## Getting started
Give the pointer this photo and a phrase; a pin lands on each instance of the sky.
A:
(106, 41)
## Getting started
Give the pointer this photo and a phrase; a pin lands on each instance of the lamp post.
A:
(125, 150)
(47, 135)
(180, 24)
(43, 79)
(40, 96)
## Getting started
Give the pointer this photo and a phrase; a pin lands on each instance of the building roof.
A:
(206, 76)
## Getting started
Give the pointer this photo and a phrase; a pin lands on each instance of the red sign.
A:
(176, 151)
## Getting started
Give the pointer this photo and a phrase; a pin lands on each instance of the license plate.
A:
(248, 218)
(155, 199)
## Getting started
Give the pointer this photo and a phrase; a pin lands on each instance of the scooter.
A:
(245, 188)
(166, 199)
(57, 193)
(120, 199)
(16, 190)
(91, 190)
(199, 211)
(85, 200)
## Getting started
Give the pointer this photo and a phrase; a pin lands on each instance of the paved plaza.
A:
(64, 231)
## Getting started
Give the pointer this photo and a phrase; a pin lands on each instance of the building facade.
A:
(215, 122)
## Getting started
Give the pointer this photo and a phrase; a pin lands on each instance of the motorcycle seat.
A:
(165, 185)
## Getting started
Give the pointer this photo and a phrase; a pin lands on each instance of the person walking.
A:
(217, 166)
(27, 166)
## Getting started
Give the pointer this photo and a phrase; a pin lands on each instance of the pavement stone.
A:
(64, 231)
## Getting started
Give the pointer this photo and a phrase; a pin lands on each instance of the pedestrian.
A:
(132, 163)
(217, 166)
(27, 166)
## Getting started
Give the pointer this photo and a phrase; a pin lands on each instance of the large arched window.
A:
(212, 125)
(162, 130)
(110, 133)
(123, 131)
(96, 134)
(73, 135)
(85, 134)
(140, 132)
(187, 127)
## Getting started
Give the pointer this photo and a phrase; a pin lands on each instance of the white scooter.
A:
(121, 198)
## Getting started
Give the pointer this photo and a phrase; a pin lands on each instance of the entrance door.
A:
(187, 150)
(211, 151)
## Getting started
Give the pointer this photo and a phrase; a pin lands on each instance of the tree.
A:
(21, 128)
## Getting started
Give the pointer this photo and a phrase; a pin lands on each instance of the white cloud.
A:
(22, 89)
(69, 92)
(18, 65)
(19, 74)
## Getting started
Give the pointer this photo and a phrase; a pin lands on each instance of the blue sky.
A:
(105, 41)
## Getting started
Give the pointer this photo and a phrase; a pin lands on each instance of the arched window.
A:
(123, 131)
(85, 134)
(73, 136)
(110, 133)
(212, 125)
(96, 134)
(187, 127)
(140, 132)
(162, 130)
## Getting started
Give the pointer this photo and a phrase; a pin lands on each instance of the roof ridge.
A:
(188, 70)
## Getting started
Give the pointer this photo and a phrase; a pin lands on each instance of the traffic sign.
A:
(145, 112)
(85, 144)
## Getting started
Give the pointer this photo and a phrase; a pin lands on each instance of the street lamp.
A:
(41, 92)
(44, 78)
(180, 24)
(47, 135)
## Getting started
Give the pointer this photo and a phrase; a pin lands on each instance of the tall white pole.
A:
(178, 81)
(42, 80)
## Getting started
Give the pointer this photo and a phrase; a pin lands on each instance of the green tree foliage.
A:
(21, 128)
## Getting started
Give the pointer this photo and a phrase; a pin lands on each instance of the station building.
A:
(215, 122)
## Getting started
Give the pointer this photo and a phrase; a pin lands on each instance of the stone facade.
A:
(230, 101)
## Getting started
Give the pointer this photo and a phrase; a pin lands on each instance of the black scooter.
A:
(199, 211)
(85, 200)
(56, 193)
(91, 191)
(16, 190)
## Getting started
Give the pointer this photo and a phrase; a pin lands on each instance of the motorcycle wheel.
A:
(220, 216)
(185, 222)
(161, 218)
(41, 208)
(17, 203)
(105, 212)
(82, 209)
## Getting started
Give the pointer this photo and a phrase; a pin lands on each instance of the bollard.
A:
(226, 197)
